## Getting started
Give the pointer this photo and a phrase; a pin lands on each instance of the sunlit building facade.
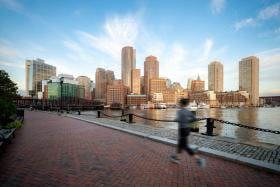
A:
(216, 76)
(249, 78)
(36, 71)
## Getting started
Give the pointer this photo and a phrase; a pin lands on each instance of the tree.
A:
(8, 92)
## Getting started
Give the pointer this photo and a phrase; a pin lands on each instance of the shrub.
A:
(15, 124)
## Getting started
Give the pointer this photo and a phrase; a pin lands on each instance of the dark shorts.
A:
(183, 141)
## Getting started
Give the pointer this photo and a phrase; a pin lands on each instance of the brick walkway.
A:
(51, 150)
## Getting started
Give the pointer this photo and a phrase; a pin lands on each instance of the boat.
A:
(192, 106)
(223, 107)
(203, 106)
(132, 107)
(160, 106)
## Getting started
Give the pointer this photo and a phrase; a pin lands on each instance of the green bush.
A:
(15, 124)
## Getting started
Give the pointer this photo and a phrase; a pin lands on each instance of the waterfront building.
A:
(157, 97)
(135, 81)
(232, 98)
(180, 95)
(249, 78)
(216, 76)
(206, 97)
(128, 59)
(86, 82)
(157, 86)
(136, 99)
(198, 85)
(64, 86)
(151, 71)
(36, 71)
(169, 97)
(116, 94)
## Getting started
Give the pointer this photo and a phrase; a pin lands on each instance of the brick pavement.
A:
(52, 150)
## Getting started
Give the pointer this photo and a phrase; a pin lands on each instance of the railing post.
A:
(98, 113)
(209, 127)
(130, 118)
(79, 112)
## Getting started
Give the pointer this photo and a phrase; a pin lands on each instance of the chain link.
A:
(198, 119)
(248, 127)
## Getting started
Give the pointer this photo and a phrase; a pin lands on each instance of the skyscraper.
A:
(103, 78)
(100, 84)
(35, 72)
(85, 81)
(128, 63)
(135, 81)
(249, 78)
(110, 76)
(215, 76)
(151, 71)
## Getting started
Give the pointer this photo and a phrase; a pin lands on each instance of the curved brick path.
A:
(51, 150)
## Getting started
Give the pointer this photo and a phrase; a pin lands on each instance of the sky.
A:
(185, 36)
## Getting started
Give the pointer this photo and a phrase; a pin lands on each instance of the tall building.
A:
(128, 63)
(100, 84)
(198, 85)
(151, 71)
(249, 78)
(35, 72)
(157, 86)
(142, 83)
(110, 76)
(103, 78)
(86, 82)
(135, 81)
(215, 76)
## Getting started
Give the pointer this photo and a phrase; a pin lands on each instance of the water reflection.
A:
(247, 117)
(258, 117)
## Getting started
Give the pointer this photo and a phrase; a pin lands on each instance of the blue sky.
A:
(79, 36)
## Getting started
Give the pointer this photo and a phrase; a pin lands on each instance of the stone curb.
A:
(231, 157)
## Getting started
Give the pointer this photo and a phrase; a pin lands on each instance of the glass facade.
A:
(36, 71)
(68, 91)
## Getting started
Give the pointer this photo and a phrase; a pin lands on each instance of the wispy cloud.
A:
(269, 12)
(264, 14)
(117, 32)
(217, 6)
(244, 23)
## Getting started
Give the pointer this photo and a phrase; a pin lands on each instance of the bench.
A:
(6, 135)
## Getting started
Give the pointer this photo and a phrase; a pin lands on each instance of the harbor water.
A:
(268, 118)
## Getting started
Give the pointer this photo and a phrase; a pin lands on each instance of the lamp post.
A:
(61, 83)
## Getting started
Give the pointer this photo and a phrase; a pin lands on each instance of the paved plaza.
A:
(52, 150)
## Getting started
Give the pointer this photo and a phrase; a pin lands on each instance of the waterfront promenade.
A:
(52, 150)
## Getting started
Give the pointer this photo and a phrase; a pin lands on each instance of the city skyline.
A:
(184, 48)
